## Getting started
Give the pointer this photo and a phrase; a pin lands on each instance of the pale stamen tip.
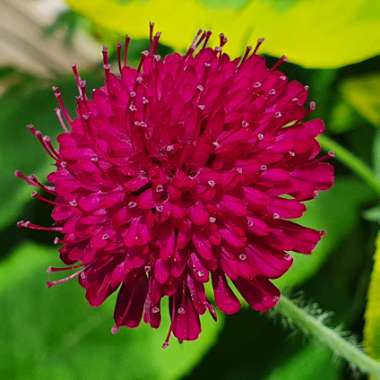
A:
(313, 105)
(23, 223)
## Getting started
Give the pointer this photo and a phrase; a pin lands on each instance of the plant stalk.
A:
(314, 327)
(351, 161)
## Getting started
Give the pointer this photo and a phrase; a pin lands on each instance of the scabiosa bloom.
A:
(182, 171)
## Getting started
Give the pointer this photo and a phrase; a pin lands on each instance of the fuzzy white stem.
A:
(314, 327)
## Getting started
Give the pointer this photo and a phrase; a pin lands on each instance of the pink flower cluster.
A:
(182, 171)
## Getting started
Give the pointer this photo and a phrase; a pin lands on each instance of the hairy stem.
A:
(350, 160)
(314, 327)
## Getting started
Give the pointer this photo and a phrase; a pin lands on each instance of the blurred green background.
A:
(53, 334)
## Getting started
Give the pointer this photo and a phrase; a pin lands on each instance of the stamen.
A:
(118, 52)
(126, 45)
(207, 38)
(63, 280)
(167, 339)
(144, 54)
(245, 56)
(76, 76)
(154, 43)
(32, 226)
(47, 140)
(41, 198)
(107, 71)
(105, 56)
(193, 44)
(151, 28)
(32, 180)
(82, 91)
(57, 241)
(282, 60)
(58, 96)
(222, 40)
(44, 141)
(212, 311)
(58, 113)
(202, 37)
(258, 44)
(61, 269)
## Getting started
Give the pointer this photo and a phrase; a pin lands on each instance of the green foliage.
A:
(312, 362)
(234, 4)
(343, 118)
(53, 334)
(372, 314)
(362, 93)
(312, 34)
(372, 214)
(376, 154)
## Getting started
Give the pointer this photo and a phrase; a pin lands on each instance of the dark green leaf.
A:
(343, 118)
(376, 154)
(313, 362)
(53, 334)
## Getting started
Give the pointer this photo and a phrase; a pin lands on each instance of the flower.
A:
(182, 171)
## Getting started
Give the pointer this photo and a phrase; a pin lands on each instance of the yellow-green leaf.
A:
(363, 93)
(311, 33)
(372, 315)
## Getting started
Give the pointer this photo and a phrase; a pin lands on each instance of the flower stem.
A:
(313, 326)
(350, 160)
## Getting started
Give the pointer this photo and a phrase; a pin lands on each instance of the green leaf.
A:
(312, 362)
(362, 93)
(315, 34)
(343, 118)
(373, 214)
(376, 154)
(234, 4)
(372, 314)
(31, 102)
(336, 212)
(53, 334)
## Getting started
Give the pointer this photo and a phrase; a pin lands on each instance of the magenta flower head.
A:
(183, 171)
